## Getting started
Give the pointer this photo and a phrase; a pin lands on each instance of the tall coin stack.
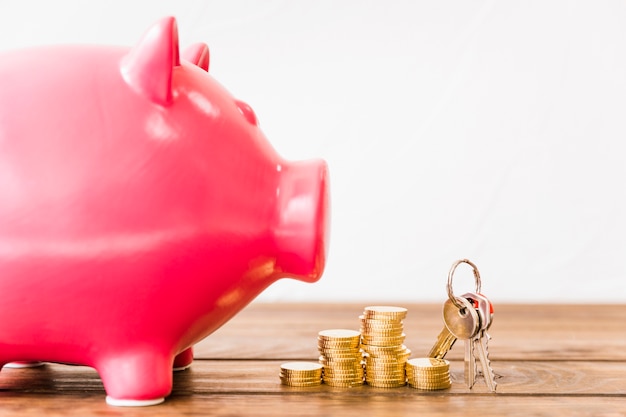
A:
(382, 339)
(428, 373)
(341, 356)
(301, 374)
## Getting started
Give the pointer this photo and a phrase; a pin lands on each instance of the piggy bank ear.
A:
(198, 54)
(248, 113)
(148, 67)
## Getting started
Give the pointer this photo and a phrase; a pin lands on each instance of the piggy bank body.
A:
(141, 207)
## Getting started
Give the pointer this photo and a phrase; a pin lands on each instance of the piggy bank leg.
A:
(23, 364)
(140, 379)
(183, 360)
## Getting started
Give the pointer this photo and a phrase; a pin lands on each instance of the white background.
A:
(488, 130)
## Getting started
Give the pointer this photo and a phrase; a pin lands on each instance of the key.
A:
(469, 363)
(480, 347)
(469, 357)
(484, 309)
(458, 324)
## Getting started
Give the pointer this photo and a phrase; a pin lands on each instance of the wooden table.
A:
(548, 359)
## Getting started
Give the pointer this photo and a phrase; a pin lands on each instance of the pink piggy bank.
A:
(141, 207)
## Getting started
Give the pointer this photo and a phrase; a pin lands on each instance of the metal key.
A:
(458, 324)
(469, 366)
(484, 309)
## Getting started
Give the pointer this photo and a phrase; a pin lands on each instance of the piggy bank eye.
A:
(247, 111)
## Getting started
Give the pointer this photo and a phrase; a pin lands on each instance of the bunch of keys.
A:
(467, 318)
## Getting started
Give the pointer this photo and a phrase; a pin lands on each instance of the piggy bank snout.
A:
(303, 225)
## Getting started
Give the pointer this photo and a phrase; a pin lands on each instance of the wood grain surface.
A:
(548, 359)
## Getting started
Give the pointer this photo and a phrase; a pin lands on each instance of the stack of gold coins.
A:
(428, 373)
(382, 339)
(301, 374)
(341, 356)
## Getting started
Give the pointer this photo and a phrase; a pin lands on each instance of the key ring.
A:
(451, 273)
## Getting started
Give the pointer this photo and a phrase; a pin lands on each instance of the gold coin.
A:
(317, 374)
(340, 360)
(385, 311)
(371, 328)
(345, 364)
(340, 356)
(385, 360)
(343, 384)
(422, 371)
(301, 384)
(383, 341)
(289, 381)
(421, 383)
(340, 352)
(389, 335)
(427, 375)
(381, 321)
(330, 344)
(382, 351)
(382, 336)
(384, 366)
(300, 373)
(381, 363)
(393, 375)
(381, 324)
(426, 370)
(339, 342)
(343, 378)
(345, 368)
(331, 369)
(429, 379)
(288, 371)
(382, 359)
(428, 363)
(299, 366)
(431, 387)
(300, 378)
(372, 348)
(377, 384)
(338, 346)
(338, 333)
(347, 378)
(385, 375)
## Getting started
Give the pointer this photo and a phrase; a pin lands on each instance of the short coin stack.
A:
(382, 339)
(301, 374)
(428, 373)
(341, 357)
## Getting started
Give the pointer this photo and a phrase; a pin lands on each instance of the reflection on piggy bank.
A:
(141, 207)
